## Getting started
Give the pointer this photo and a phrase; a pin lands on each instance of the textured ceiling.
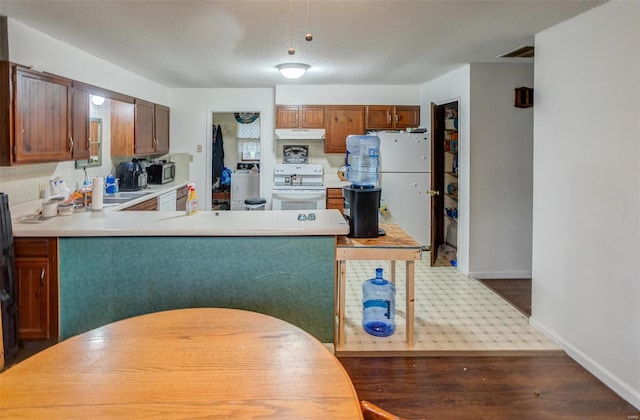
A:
(196, 44)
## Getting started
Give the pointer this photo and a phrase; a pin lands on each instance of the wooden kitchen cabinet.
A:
(161, 129)
(122, 116)
(382, 117)
(151, 133)
(299, 116)
(181, 198)
(147, 205)
(334, 199)
(143, 128)
(36, 265)
(342, 121)
(39, 106)
(80, 115)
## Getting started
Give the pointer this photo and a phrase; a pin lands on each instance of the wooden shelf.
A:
(454, 174)
(451, 196)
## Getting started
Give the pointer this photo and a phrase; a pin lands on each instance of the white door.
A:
(406, 198)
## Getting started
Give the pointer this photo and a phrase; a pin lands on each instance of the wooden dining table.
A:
(185, 363)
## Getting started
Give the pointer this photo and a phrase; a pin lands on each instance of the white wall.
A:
(347, 95)
(454, 86)
(191, 120)
(45, 53)
(586, 234)
(501, 173)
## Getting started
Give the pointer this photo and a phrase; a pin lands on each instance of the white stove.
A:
(298, 187)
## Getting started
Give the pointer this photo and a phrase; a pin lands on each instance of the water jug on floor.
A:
(378, 306)
(362, 159)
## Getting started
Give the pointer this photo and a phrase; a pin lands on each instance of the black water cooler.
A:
(362, 204)
(8, 286)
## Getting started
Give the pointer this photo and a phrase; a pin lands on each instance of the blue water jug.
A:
(362, 159)
(378, 306)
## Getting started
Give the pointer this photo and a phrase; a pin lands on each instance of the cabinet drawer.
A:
(32, 247)
(334, 193)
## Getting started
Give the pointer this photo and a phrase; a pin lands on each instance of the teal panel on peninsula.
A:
(111, 278)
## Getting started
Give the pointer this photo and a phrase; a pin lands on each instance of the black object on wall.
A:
(524, 97)
(8, 286)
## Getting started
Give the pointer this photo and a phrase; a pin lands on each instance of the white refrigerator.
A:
(405, 178)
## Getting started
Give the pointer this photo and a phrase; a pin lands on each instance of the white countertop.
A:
(32, 207)
(177, 223)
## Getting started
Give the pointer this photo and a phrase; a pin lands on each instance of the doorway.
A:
(444, 184)
(235, 148)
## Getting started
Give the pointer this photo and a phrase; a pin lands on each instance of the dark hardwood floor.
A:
(545, 386)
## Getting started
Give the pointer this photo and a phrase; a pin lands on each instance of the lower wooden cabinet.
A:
(181, 198)
(334, 199)
(148, 205)
(37, 274)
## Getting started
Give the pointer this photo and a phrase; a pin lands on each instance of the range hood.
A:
(300, 133)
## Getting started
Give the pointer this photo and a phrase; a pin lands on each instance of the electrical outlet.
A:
(190, 157)
(41, 191)
(199, 148)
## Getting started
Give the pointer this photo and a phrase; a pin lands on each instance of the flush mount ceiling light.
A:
(292, 70)
(97, 100)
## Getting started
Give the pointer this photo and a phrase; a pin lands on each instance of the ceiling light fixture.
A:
(97, 100)
(292, 70)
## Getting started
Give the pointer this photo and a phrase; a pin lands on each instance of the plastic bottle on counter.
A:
(362, 159)
(378, 306)
(192, 199)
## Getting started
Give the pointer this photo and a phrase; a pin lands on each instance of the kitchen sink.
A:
(124, 196)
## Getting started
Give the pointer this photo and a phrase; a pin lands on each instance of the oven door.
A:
(299, 199)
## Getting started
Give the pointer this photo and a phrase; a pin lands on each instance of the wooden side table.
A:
(396, 245)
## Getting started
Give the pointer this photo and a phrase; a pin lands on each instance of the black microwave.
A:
(161, 173)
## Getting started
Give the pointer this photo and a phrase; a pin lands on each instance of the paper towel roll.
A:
(97, 193)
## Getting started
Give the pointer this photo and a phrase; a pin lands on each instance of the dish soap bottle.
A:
(192, 199)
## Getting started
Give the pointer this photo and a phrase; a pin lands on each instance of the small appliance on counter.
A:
(161, 172)
(132, 175)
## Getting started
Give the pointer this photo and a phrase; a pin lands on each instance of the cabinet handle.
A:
(388, 118)
(42, 277)
(70, 144)
(88, 143)
(397, 118)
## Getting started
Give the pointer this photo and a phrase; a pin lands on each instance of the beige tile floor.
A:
(454, 314)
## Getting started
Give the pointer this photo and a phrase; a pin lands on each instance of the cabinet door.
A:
(37, 279)
(287, 116)
(122, 117)
(379, 117)
(407, 116)
(312, 116)
(342, 121)
(42, 117)
(143, 131)
(334, 199)
(161, 129)
(148, 205)
(80, 123)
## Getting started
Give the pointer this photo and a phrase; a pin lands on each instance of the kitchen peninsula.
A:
(114, 265)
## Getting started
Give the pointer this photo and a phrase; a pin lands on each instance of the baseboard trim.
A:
(481, 275)
(596, 369)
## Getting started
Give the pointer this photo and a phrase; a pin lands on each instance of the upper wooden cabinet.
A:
(380, 117)
(140, 129)
(80, 133)
(36, 117)
(151, 128)
(161, 129)
(342, 121)
(122, 117)
(300, 116)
